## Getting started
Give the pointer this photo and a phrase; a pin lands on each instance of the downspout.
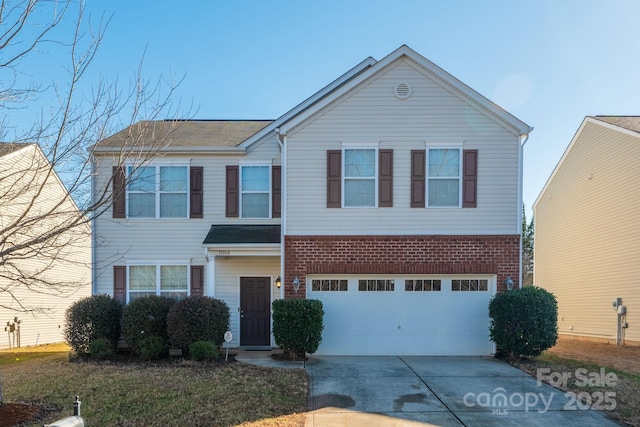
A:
(93, 228)
(282, 141)
(520, 195)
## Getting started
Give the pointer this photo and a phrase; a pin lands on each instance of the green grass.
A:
(157, 394)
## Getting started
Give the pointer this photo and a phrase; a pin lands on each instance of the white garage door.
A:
(417, 315)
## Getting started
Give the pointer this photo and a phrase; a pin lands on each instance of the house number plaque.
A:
(224, 253)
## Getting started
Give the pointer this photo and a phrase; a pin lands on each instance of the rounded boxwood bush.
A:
(197, 318)
(297, 325)
(100, 349)
(146, 317)
(524, 322)
(91, 318)
(203, 351)
(152, 348)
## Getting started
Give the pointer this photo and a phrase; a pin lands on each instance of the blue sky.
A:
(548, 62)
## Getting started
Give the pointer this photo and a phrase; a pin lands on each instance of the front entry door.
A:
(255, 313)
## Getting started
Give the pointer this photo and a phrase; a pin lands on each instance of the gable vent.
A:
(402, 90)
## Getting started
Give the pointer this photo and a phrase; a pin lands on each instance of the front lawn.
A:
(156, 394)
(615, 391)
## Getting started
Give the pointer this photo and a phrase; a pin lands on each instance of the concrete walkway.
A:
(440, 391)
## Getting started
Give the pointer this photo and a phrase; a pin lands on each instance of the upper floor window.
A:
(443, 172)
(444, 177)
(158, 192)
(359, 177)
(255, 194)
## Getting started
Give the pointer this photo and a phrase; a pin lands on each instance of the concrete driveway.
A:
(442, 391)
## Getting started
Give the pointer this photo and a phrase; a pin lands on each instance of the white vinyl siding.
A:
(433, 113)
(176, 239)
(587, 238)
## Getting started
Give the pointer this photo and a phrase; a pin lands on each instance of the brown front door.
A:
(255, 313)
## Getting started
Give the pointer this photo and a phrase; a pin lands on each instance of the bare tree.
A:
(36, 231)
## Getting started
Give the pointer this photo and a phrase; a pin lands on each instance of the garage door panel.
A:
(401, 322)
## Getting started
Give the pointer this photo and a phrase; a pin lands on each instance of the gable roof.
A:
(444, 78)
(237, 135)
(179, 134)
(629, 125)
(10, 147)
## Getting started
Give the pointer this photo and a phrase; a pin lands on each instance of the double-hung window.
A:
(161, 280)
(255, 183)
(360, 177)
(157, 191)
(444, 177)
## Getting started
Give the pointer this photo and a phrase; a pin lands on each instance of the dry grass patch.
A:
(158, 394)
(626, 389)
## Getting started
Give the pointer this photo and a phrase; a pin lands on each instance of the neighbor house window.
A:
(443, 176)
(255, 195)
(427, 285)
(161, 280)
(469, 285)
(360, 177)
(373, 285)
(329, 285)
(158, 192)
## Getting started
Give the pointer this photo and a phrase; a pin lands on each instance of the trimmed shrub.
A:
(144, 318)
(297, 325)
(524, 322)
(197, 318)
(203, 351)
(91, 318)
(100, 349)
(152, 348)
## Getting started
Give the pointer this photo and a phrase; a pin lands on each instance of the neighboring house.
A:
(393, 195)
(39, 281)
(587, 237)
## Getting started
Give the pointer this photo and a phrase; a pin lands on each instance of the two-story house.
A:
(45, 249)
(393, 195)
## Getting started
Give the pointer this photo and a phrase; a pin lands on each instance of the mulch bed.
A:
(14, 414)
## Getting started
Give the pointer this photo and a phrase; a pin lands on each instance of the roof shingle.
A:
(185, 133)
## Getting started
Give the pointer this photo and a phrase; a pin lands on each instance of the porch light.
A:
(278, 282)
(296, 284)
(509, 283)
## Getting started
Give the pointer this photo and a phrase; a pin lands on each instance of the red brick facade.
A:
(491, 254)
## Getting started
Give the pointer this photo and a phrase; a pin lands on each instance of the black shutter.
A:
(276, 191)
(334, 178)
(418, 171)
(118, 187)
(197, 280)
(232, 192)
(195, 192)
(385, 178)
(120, 283)
(469, 178)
